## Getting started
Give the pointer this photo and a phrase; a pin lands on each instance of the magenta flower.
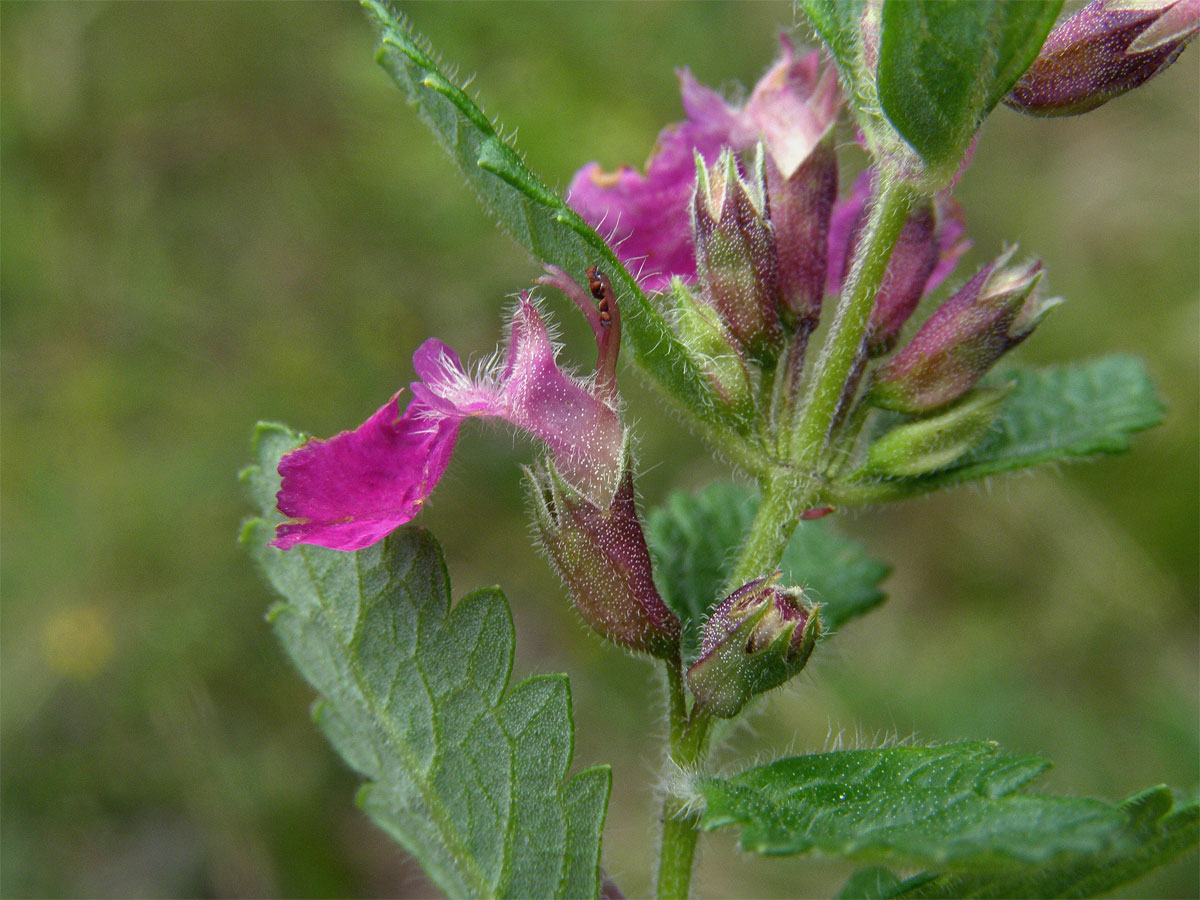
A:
(354, 489)
(645, 217)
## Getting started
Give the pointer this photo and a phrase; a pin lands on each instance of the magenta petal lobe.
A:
(354, 489)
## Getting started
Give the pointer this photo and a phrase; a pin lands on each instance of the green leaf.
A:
(953, 806)
(537, 217)
(943, 66)
(1051, 415)
(1157, 832)
(470, 781)
(878, 883)
(694, 539)
(838, 22)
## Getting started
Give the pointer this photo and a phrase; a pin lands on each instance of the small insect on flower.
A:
(602, 291)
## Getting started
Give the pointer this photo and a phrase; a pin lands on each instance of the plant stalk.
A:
(844, 344)
(786, 492)
(680, 826)
(778, 511)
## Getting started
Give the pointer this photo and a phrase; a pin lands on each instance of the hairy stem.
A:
(680, 826)
(782, 502)
(840, 354)
(787, 490)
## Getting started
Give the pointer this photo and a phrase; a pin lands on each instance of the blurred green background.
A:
(222, 212)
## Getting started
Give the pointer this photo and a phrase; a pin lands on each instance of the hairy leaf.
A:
(468, 779)
(1051, 415)
(953, 806)
(1157, 832)
(694, 539)
(838, 22)
(943, 66)
(537, 217)
(879, 883)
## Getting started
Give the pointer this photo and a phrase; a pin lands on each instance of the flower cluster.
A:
(354, 489)
(742, 249)
(737, 231)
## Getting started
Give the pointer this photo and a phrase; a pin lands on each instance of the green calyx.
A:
(932, 443)
(758, 638)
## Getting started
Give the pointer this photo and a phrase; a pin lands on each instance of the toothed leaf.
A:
(1051, 415)
(1157, 832)
(469, 779)
(954, 806)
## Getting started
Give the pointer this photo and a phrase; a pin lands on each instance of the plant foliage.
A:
(467, 777)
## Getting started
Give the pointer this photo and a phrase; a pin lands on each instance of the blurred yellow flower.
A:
(77, 641)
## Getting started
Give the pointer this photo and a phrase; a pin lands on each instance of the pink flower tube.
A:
(354, 489)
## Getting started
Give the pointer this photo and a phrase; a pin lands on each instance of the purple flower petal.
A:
(952, 241)
(645, 217)
(792, 108)
(534, 394)
(584, 433)
(848, 215)
(356, 488)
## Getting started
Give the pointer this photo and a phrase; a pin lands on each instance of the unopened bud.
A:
(990, 314)
(756, 639)
(602, 557)
(736, 257)
(714, 349)
(1107, 48)
(801, 206)
(926, 445)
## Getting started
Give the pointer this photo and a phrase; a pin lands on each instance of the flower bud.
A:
(602, 557)
(756, 639)
(801, 206)
(736, 258)
(926, 445)
(1107, 48)
(712, 346)
(990, 314)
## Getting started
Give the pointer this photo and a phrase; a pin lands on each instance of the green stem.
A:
(847, 439)
(677, 702)
(680, 832)
(680, 826)
(844, 342)
(786, 492)
(781, 504)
